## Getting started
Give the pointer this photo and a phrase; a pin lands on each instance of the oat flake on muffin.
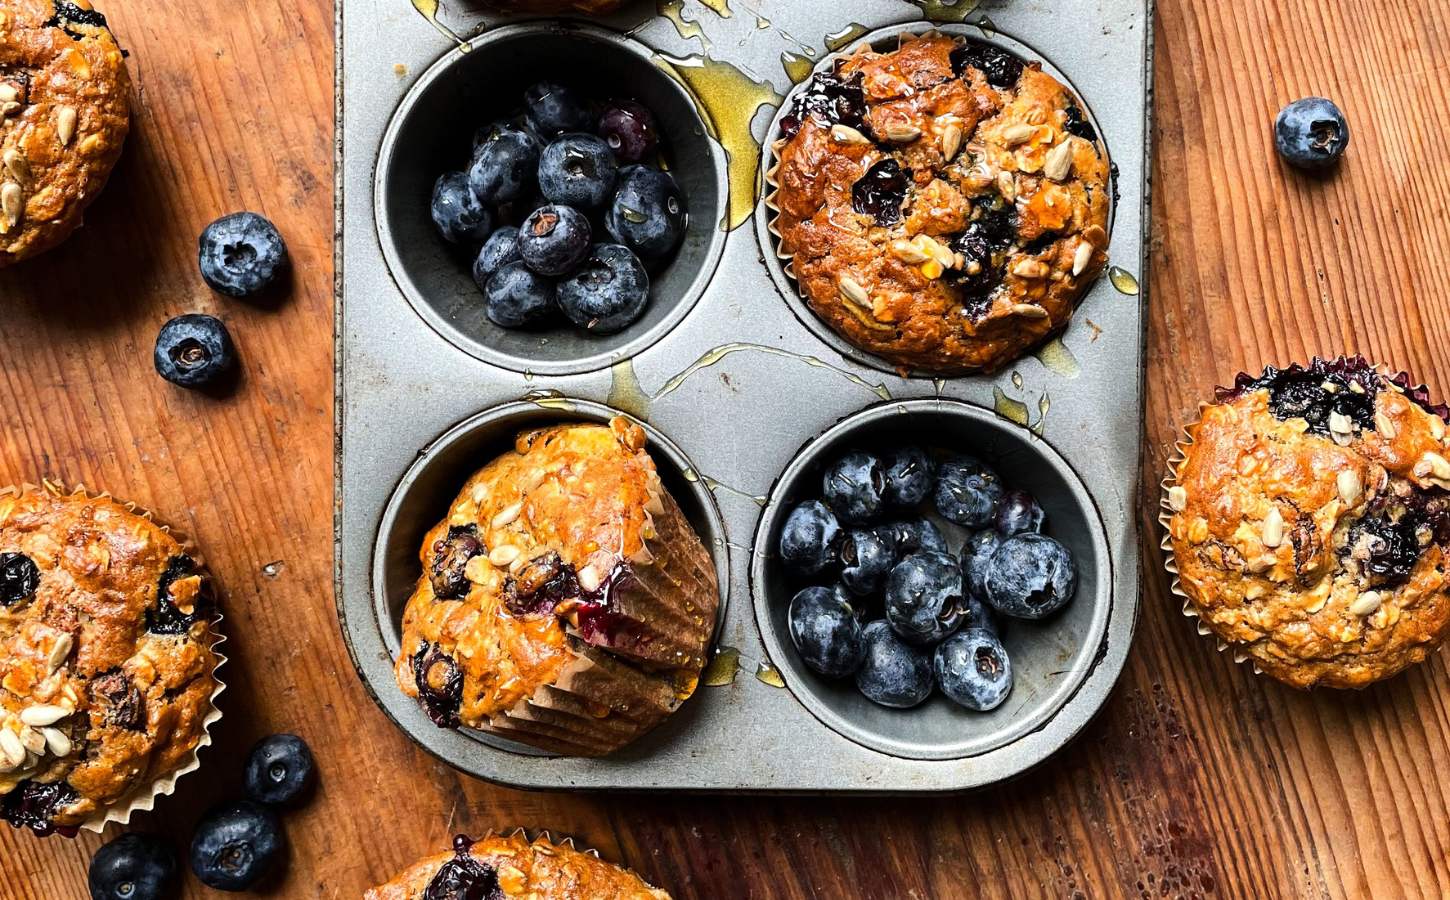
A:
(944, 205)
(1309, 519)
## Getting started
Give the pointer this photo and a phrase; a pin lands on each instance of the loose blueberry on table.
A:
(132, 867)
(194, 351)
(280, 770)
(241, 254)
(885, 601)
(1311, 133)
(237, 845)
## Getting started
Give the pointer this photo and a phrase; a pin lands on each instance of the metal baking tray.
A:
(742, 389)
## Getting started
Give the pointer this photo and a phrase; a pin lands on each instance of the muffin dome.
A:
(944, 206)
(565, 601)
(1309, 520)
(64, 115)
(514, 866)
(106, 661)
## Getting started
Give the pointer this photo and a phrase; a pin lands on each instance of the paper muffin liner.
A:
(1420, 393)
(143, 797)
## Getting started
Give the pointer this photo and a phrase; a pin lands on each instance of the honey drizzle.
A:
(428, 9)
(945, 10)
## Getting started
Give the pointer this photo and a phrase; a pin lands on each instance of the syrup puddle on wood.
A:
(428, 9)
(945, 10)
(1123, 280)
(1058, 359)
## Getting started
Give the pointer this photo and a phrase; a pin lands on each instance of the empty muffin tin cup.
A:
(1051, 658)
(423, 497)
(431, 133)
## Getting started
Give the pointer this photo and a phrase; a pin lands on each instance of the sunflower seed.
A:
(1028, 311)
(18, 165)
(1365, 603)
(1029, 268)
(1433, 465)
(11, 747)
(951, 141)
(852, 290)
(59, 651)
(1273, 534)
(65, 124)
(1007, 185)
(43, 714)
(503, 554)
(1339, 423)
(1177, 498)
(845, 134)
(1058, 163)
(12, 203)
(1081, 257)
(1356, 388)
(901, 132)
(9, 93)
(1385, 425)
(56, 742)
(1016, 134)
(936, 250)
(32, 740)
(590, 579)
(508, 514)
(1349, 485)
(908, 252)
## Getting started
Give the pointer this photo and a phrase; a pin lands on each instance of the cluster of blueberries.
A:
(564, 175)
(897, 610)
(236, 845)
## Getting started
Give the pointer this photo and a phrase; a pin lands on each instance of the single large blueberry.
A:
(865, 561)
(237, 845)
(924, 597)
(554, 240)
(1030, 576)
(977, 559)
(1019, 512)
(608, 293)
(194, 351)
(518, 297)
(973, 669)
(910, 476)
(1311, 133)
(451, 554)
(854, 486)
(967, 491)
(648, 213)
(241, 254)
(578, 170)
(134, 866)
(553, 109)
(825, 631)
(19, 578)
(501, 248)
(457, 213)
(504, 165)
(810, 538)
(280, 770)
(893, 673)
(629, 130)
(464, 877)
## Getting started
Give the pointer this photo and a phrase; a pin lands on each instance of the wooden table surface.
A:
(1199, 779)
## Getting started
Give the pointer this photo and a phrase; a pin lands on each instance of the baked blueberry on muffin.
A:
(106, 661)
(944, 205)
(497, 867)
(565, 601)
(64, 114)
(1309, 520)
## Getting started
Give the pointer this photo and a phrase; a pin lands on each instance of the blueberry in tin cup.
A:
(1309, 519)
(565, 602)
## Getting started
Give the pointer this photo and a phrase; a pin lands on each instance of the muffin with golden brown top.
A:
(565, 601)
(498, 867)
(106, 660)
(64, 115)
(1309, 519)
(944, 206)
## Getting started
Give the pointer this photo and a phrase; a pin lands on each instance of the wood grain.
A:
(1198, 779)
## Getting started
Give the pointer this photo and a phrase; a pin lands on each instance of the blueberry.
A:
(608, 293)
(825, 631)
(976, 614)
(924, 597)
(648, 213)
(19, 578)
(853, 485)
(464, 876)
(629, 130)
(504, 166)
(865, 560)
(451, 554)
(280, 769)
(1030, 576)
(517, 297)
(907, 536)
(241, 254)
(554, 109)
(237, 845)
(501, 248)
(977, 559)
(460, 217)
(554, 240)
(194, 351)
(1019, 512)
(1001, 68)
(578, 170)
(132, 867)
(973, 669)
(892, 673)
(967, 491)
(440, 684)
(1311, 133)
(910, 474)
(810, 538)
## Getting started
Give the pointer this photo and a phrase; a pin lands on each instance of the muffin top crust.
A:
(106, 660)
(1309, 521)
(496, 867)
(64, 116)
(944, 205)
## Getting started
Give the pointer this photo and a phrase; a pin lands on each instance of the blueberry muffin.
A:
(944, 206)
(64, 115)
(106, 661)
(1309, 520)
(565, 601)
(497, 867)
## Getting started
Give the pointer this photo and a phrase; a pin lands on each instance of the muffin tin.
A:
(741, 392)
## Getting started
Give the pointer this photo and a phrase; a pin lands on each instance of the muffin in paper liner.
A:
(515, 865)
(565, 602)
(1013, 217)
(112, 700)
(1306, 518)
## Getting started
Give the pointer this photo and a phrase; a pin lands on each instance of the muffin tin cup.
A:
(143, 798)
(781, 264)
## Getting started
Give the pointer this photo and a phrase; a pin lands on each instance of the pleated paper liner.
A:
(1180, 454)
(143, 797)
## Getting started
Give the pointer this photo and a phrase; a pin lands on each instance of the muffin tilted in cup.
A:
(498, 866)
(107, 681)
(565, 601)
(1309, 520)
